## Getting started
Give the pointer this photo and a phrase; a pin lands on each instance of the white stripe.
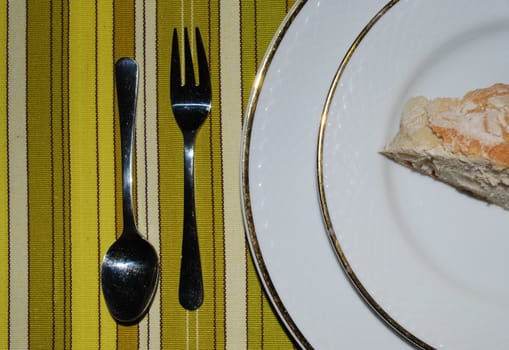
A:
(197, 330)
(192, 19)
(182, 7)
(140, 146)
(147, 152)
(18, 182)
(152, 157)
(187, 330)
(181, 31)
(231, 104)
(140, 117)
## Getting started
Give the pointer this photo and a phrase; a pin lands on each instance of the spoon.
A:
(130, 268)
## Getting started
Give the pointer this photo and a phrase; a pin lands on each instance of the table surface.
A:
(60, 169)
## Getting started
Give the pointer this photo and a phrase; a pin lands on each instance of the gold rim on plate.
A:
(323, 201)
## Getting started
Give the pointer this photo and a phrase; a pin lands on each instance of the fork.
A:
(191, 105)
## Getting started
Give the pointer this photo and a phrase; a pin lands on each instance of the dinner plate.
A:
(292, 252)
(430, 260)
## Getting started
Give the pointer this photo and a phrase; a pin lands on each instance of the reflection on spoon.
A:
(130, 268)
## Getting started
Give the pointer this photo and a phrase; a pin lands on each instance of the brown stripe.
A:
(123, 39)
(39, 174)
(255, 9)
(145, 123)
(8, 177)
(214, 239)
(7, 109)
(57, 178)
(124, 46)
(53, 219)
(242, 89)
(219, 108)
(242, 104)
(67, 174)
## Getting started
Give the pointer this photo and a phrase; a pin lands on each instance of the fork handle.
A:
(191, 283)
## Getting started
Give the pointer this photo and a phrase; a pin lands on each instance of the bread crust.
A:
(463, 142)
(475, 126)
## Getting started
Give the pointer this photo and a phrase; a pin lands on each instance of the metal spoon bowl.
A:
(129, 277)
(130, 268)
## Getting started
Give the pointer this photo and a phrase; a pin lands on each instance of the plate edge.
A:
(249, 226)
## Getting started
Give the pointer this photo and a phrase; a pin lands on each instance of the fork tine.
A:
(203, 67)
(189, 68)
(175, 64)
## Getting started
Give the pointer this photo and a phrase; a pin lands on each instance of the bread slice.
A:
(462, 142)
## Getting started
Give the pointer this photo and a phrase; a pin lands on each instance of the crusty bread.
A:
(462, 142)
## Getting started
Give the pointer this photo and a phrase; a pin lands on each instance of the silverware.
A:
(130, 268)
(191, 105)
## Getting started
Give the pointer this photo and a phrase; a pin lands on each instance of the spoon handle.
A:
(126, 72)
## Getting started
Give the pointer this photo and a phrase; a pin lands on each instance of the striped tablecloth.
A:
(60, 194)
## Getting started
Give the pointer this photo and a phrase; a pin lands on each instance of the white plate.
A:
(292, 252)
(431, 260)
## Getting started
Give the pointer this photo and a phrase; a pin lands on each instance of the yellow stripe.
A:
(106, 153)
(18, 215)
(4, 187)
(231, 130)
(83, 143)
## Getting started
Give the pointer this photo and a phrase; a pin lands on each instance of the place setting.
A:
(274, 174)
(130, 268)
